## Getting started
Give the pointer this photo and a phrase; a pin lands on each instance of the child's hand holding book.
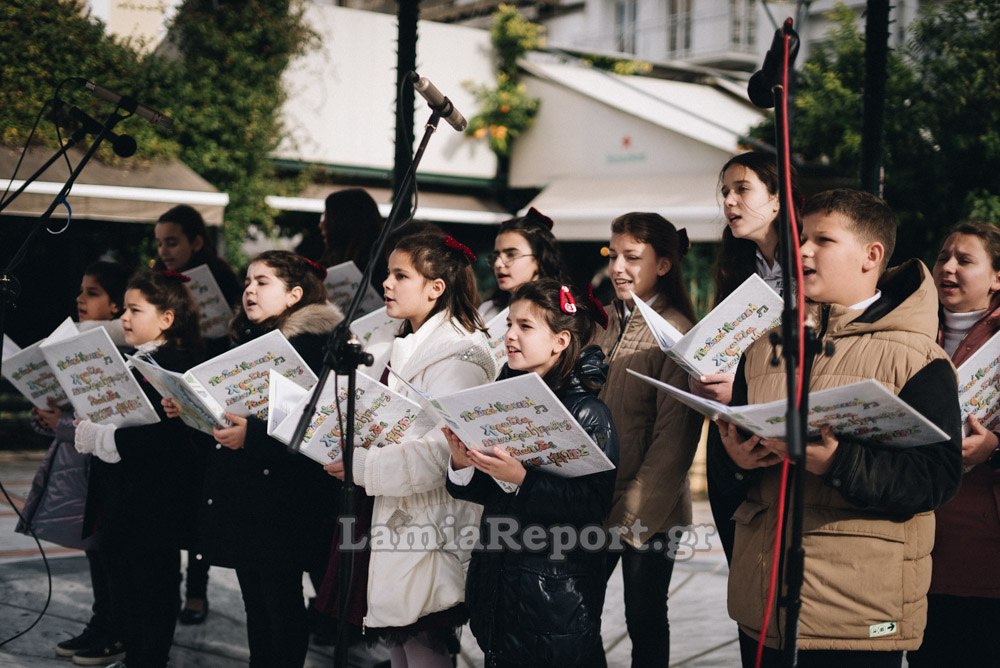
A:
(819, 455)
(499, 464)
(749, 453)
(233, 436)
(459, 452)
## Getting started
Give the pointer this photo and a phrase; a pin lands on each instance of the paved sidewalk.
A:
(701, 631)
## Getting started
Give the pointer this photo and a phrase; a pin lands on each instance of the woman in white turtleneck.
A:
(964, 599)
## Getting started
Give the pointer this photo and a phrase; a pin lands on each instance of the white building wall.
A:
(712, 28)
(341, 95)
(143, 21)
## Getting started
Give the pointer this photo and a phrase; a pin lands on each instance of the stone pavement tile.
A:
(220, 641)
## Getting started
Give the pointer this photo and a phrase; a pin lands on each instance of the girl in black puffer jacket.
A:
(542, 607)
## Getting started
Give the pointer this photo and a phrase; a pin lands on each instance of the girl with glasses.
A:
(524, 251)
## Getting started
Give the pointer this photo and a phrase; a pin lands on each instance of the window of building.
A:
(678, 27)
(743, 24)
(625, 28)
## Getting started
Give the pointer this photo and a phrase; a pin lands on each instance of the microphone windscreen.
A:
(759, 91)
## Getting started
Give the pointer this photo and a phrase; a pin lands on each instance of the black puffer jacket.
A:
(530, 608)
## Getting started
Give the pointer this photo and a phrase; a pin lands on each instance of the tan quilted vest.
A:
(866, 574)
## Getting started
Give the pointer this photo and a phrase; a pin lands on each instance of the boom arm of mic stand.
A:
(9, 285)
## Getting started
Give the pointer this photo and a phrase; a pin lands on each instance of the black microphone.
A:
(64, 115)
(769, 75)
(438, 102)
(129, 104)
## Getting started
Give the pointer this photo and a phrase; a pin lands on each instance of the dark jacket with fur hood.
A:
(264, 505)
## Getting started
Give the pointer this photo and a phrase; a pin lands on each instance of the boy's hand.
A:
(500, 465)
(979, 444)
(716, 386)
(459, 453)
(233, 436)
(747, 454)
(170, 408)
(819, 456)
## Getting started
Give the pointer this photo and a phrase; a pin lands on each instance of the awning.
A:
(605, 144)
(434, 207)
(134, 192)
(583, 207)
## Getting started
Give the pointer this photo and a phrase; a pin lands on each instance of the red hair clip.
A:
(600, 315)
(455, 244)
(316, 268)
(175, 276)
(566, 302)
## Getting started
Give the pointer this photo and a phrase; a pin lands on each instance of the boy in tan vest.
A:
(869, 525)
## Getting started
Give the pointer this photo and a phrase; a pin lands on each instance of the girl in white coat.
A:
(415, 586)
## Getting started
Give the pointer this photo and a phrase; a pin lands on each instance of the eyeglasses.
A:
(506, 257)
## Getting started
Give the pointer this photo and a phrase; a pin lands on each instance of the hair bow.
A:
(536, 216)
(175, 276)
(566, 302)
(316, 268)
(600, 315)
(455, 244)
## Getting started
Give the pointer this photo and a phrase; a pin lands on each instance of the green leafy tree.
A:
(45, 43)
(506, 109)
(218, 75)
(941, 151)
(956, 54)
(225, 83)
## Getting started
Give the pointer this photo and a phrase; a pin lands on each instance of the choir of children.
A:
(870, 508)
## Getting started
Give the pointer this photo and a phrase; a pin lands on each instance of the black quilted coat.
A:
(530, 609)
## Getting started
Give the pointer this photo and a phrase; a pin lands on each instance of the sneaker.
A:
(87, 639)
(100, 655)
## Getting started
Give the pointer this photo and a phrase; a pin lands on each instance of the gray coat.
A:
(55, 503)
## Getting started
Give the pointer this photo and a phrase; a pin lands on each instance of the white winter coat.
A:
(412, 506)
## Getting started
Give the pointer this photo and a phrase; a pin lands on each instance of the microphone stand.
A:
(796, 414)
(10, 288)
(343, 354)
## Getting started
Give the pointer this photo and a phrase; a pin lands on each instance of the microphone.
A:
(64, 115)
(438, 102)
(129, 104)
(769, 75)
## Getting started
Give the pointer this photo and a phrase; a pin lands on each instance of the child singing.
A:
(269, 513)
(143, 483)
(415, 597)
(54, 507)
(527, 607)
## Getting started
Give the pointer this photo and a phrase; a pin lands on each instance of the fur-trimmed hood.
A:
(312, 319)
